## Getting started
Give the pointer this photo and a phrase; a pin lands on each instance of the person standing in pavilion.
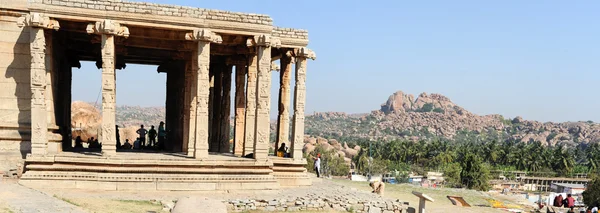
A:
(152, 136)
(162, 135)
(142, 132)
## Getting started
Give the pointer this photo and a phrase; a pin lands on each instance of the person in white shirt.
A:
(595, 209)
(318, 165)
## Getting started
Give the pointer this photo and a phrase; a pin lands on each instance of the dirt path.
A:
(19, 199)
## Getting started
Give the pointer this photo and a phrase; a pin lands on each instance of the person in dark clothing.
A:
(162, 135)
(152, 136)
(558, 201)
(118, 136)
(78, 142)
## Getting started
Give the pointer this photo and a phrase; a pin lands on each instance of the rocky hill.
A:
(403, 116)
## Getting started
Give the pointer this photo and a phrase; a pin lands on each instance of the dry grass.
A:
(116, 206)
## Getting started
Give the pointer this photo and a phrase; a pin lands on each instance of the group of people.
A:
(140, 142)
(569, 202)
(92, 143)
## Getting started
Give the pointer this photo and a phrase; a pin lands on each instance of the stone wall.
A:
(317, 203)
(161, 9)
(290, 33)
(15, 93)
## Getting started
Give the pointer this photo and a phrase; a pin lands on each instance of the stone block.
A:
(96, 185)
(186, 186)
(373, 209)
(136, 186)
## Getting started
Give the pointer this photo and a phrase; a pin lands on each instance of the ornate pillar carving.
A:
(302, 55)
(240, 109)
(193, 99)
(108, 29)
(250, 122)
(283, 118)
(39, 121)
(204, 37)
(263, 98)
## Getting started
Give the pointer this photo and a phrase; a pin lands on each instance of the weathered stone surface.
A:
(193, 204)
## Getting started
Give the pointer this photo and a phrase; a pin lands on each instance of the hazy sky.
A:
(536, 59)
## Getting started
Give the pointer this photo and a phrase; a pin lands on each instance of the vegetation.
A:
(591, 196)
(471, 159)
(331, 163)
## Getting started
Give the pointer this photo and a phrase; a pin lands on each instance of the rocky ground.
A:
(338, 195)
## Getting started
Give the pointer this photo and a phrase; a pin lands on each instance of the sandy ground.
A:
(78, 200)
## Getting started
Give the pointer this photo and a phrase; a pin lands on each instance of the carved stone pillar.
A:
(108, 95)
(250, 122)
(240, 109)
(299, 100)
(204, 38)
(108, 30)
(193, 99)
(283, 119)
(37, 47)
(225, 126)
(263, 98)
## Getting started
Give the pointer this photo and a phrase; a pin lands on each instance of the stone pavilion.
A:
(200, 51)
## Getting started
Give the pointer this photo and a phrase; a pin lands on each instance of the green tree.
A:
(474, 174)
(591, 196)
(428, 107)
(452, 175)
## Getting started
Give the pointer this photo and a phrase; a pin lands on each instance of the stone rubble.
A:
(331, 197)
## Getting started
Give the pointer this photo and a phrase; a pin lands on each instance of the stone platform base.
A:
(290, 173)
(147, 171)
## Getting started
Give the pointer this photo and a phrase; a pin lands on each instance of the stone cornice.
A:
(225, 24)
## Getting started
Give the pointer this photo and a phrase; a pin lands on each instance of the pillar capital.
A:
(304, 52)
(204, 35)
(275, 66)
(108, 27)
(266, 41)
(38, 20)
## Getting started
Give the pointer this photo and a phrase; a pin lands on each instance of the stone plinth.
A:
(148, 172)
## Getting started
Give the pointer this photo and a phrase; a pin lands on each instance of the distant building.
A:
(568, 188)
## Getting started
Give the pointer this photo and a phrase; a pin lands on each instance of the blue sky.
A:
(536, 59)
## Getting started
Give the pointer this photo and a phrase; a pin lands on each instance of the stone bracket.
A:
(38, 20)
(304, 52)
(266, 41)
(109, 27)
(204, 35)
(275, 66)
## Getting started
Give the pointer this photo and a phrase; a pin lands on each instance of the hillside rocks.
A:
(340, 150)
(404, 117)
(85, 120)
